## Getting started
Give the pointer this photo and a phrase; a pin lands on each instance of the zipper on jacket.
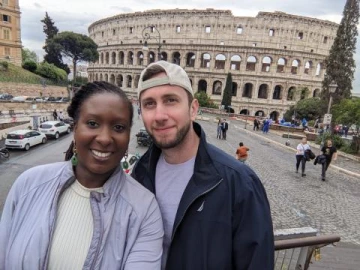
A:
(100, 240)
(187, 208)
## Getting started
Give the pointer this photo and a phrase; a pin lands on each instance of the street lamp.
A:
(332, 89)
(148, 33)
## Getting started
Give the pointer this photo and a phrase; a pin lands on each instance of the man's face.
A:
(167, 114)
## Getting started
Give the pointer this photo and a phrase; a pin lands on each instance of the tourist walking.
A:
(224, 128)
(55, 115)
(219, 130)
(242, 152)
(330, 153)
(300, 156)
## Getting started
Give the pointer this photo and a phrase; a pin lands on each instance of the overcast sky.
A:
(77, 15)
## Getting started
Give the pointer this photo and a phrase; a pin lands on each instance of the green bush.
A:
(336, 139)
(350, 148)
(5, 65)
(51, 72)
(204, 100)
(29, 65)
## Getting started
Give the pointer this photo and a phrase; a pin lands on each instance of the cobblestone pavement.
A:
(332, 206)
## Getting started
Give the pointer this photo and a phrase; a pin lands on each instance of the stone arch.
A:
(130, 58)
(190, 59)
(220, 61)
(274, 115)
(205, 60)
(234, 89)
(140, 58)
(128, 81)
(277, 92)
(235, 61)
(248, 90)
(176, 58)
(119, 80)
(217, 88)
(96, 77)
(318, 69)
(266, 63)
(106, 77)
(308, 67)
(251, 63)
(112, 79)
(107, 58)
(245, 111)
(151, 57)
(295, 66)
(260, 113)
(316, 92)
(263, 91)
(121, 58)
(102, 58)
(164, 56)
(281, 65)
(101, 77)
(291, 93)
(113, 58)
(304, 93)
(202, 86)
(136, 81)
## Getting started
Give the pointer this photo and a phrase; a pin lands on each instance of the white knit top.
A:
(73, 229)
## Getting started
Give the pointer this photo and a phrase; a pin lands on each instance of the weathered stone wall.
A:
(32, 90)
(269, 56)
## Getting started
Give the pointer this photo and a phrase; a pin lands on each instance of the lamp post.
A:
(332, 89)
(148, 33)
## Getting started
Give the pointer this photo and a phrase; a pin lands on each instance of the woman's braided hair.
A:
(85, 92)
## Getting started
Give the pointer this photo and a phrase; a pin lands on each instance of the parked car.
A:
(19, 99)
(24, 139)
(62, 99)
(30, 99)
(128, 162)
(54, 128)
(70, 122)
(51, 99)
(6, 97)
(143, 138)
(39, 99)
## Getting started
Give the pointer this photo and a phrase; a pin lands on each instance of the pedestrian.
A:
(330, 153)
(215, 210)
(266, 126)
(61, 116)
(55, 115)
(242, 152)
(346, 130)
(256, 124)
(219, 130)
(84, 213)
(224, 128)
(300, 156)
(139, 112)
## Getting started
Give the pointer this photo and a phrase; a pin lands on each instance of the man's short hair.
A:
(175, 75)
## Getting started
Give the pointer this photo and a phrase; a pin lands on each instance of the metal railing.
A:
(296, 253)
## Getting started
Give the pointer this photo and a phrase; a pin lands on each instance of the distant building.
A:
(355, 95)
(81, 71)
(10, 32)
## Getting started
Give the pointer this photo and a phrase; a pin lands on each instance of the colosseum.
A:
(275, 58)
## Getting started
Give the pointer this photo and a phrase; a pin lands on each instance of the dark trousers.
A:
(324, 167)
(300, 158)
(224, 134)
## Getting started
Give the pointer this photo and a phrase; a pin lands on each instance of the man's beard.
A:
(180, 136)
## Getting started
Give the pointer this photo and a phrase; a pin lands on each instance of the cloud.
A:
(122, 9)
(37, 5)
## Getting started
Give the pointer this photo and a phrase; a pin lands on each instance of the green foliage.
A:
(53, 53)
(204, 100)
(28, 55)
(304, 92)
(51, 72)
(78, 47)
(30, 65)
(347, 112)
(4, 65)
(336, 139)
(309, 108)
(340, 64)
(226, 100)
(79, 81)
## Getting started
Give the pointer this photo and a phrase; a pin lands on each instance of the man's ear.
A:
(194, 107)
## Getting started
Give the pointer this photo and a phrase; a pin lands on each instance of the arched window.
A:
(130, 59)
(102, 58)
(277, 92)
(316, 93)
(106, 78)
(140, 58)
(235, 62)
(291, 93)
(113, 58)
(274, 115)
(164, 56)
(247, 91)
(121, 58)
(294, 67)
(151, 57)
(318, 69)
(129, 81)
(266, 63)
(251, 63)
(202, 86)
(190, 59)
(220, 61)
(308, 67)
(281, 65)
(205, 60)
(136, 82)
(176, 58)
(107, 58)
(263, 89)
(119, 80)
(217, 88)
(234, 89)
(112, 78)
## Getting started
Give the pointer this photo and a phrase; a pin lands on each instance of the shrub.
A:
(336, 139)
(29, 65)
(5, 65)
(204, 100)
(51, 72)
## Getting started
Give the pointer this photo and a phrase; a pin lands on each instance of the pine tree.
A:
(340, 64)
(226, 100)
(53, 55)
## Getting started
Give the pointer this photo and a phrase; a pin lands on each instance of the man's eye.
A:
(148, 104)
(92, 124)
(171, 100)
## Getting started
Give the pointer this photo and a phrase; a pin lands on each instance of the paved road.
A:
(331, 206)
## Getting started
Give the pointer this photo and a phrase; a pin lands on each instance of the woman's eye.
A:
(92, 124)
(119, 128)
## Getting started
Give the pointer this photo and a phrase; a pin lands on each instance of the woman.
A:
(219, 130)
(330, 153)
(85, 213)
(300, 156)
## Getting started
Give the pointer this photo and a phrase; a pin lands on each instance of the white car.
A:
(24, 139)
(128, 162)
(54, 128)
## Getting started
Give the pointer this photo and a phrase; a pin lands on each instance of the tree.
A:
(347, 112)
(226, 100)
(340, 64)
(29, 65)
(53, 55)
(309, 108)
(76, 46)
(204, 100)
(28, 55)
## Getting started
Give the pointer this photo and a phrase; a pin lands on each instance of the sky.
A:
(77, 15)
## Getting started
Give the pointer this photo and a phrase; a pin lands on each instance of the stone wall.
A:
(32, 90)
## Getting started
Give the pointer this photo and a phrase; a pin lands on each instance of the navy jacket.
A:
(223, 220)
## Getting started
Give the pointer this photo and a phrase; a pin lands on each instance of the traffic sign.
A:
(327, 119)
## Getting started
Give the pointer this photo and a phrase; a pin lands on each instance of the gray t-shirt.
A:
(170, 182)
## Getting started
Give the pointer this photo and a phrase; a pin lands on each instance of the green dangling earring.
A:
(74, 159)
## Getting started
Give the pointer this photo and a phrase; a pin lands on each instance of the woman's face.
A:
(102, 135)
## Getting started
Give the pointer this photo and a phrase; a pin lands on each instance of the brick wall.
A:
(32, 90)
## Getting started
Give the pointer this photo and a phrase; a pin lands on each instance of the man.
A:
(224, 128)
(242, 152)
(55, 115)
(330, 152)
(215, 211)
